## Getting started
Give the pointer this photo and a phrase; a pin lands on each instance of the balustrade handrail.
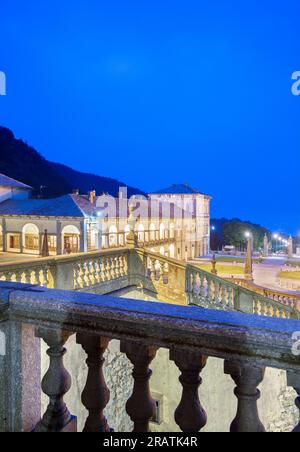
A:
(52, 260)
(268, 292)
(226, 335)
(85, 271)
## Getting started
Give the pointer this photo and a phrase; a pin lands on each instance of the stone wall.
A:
(276, 406)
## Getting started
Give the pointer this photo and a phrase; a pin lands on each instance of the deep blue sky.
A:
(163, 91)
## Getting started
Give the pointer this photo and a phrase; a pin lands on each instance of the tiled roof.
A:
(177, 189)
(9, 182)
(65, 206)
(80, 206)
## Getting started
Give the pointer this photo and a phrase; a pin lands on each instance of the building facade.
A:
(172, 224)
(196, 205)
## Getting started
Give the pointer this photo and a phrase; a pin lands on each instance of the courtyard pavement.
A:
(14, 257)
(266, 274)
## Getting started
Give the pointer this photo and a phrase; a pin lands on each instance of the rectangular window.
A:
(52, 243)
(71, 243)
(32, 242)
(14, 241)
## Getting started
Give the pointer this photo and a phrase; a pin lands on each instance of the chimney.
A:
(92, 196)
(75, 191)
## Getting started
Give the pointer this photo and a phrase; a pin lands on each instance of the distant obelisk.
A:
(290, 247)
(249, 261)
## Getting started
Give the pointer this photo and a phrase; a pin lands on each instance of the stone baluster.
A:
(112, 268)
(19, 275)
(232, 296)
(43, 277)
(140, 406)
(34, 276)
(75, 275)
(125, 260)
(293, 380)
(190, 287)
(27, 277)
(217, 291)
(92, 273)
(117, 267)
(121, 266)
(95, 395)
(102, 269)
(56, 383)
(223, 295)
(189, 415)
(97, 270)
(202, 286)
(9, 276)
(165, 270)
(247, 378)
(194, 287)
(107, 269)
(152, 269)
(86, 274)
(256, 306)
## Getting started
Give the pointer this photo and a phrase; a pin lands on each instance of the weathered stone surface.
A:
(220, 334)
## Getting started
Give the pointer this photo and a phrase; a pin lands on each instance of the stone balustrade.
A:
(247, 344)
(145, 239)
(165, 278)
(288, 299)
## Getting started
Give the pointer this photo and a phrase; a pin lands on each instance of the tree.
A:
(234, 234)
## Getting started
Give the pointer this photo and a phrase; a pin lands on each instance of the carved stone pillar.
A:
(59, 244)
(56, 383)
(189, 415)
(83, 237)
(247, 377)
(293, 380)
(95, 395)
(140, 406)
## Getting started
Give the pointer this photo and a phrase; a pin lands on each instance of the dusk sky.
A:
(161, 92)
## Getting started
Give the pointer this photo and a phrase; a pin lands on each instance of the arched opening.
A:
(71, 239)
(152, 231)
(141, 233)
(31, 239)
(162, 231)
(172, 250)
(162, 251)
(113, 236)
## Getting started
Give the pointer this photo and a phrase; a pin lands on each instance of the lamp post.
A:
(276, 237)
(249, 260)
(213, 240)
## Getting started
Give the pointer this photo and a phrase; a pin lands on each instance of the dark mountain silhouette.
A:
(86, 182)
(22, 162)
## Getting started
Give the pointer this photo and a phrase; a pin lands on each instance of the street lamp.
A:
(276, 237)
